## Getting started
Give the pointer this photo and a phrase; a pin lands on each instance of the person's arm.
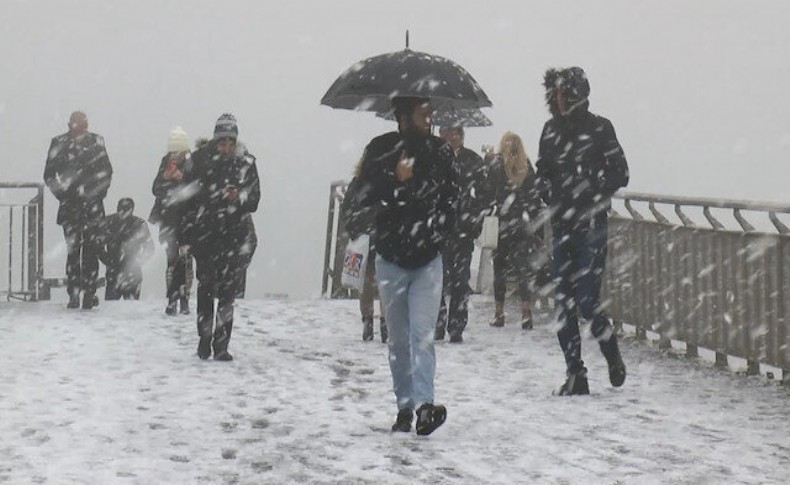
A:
(250, 187)
(52, 169)
(544, 169)
(448, 203)
(615, 167)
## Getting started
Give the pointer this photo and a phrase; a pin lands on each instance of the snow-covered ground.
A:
(117, 395)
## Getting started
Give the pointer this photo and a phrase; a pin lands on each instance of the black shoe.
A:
(367, 329)
(429, 418)
(614, 359)
(456, 338)
(171, 308)
(526, 323)
(223, 357)
(576, 384)
(498, 321)
(204, 348)
(184, 305)
(403, 421)
(383, 329)
(438, 334)
(74, 302)
(88, 302)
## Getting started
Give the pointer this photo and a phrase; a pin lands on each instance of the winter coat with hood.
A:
(414, 217)
(212, 224)
(581, 164)
(78, 172)
(518, 207)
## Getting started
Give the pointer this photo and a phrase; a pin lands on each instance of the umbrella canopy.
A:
(465, 117)
(370, 84)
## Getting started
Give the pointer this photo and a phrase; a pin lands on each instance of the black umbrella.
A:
(468, 117)
(370, 84)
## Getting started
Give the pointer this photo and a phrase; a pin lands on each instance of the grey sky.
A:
(695, 89)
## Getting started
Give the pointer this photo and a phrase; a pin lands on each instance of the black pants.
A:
(454, 310)
(579, 261)
(177, 267)
(82, 261)
(512, 254)
(216, 281)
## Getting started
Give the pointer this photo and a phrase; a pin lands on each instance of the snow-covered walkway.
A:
(117, 395)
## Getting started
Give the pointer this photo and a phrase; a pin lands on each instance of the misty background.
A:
(696, 92)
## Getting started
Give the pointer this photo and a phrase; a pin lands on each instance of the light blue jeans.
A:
(411, 305)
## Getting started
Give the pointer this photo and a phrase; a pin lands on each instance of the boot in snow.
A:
(367, 329)
(403, 421)
(499, 315)
(171, 308)
(184, 301)
(576, 383)
(438, 334)
(74, 301)
(611, 351)
(526, 316)
(204, 347)
(383, 330)
(429, 418)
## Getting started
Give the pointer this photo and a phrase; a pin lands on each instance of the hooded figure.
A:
(78, 172)
(216, 229)
(580, 166)
(126, 245)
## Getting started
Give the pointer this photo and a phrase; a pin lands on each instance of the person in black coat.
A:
(473, 195)
(224, 179)
(78, 172)
(580, 166)
(518, 206)
(171, 193)
(126, 245)
(409, 175)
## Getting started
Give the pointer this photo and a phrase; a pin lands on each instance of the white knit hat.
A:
(177, 141)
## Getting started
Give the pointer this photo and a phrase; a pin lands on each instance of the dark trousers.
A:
(579, 261)
(178, 269)
(512, 254)
(82, 261)
(216, 281)
(454, 309)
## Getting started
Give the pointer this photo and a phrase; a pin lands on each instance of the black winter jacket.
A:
(78, 172)
(581, 165)
(414, 217)
(171, 195)
(518, 208)
(211, 224)
(474, 194)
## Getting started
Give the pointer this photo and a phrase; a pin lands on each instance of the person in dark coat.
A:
(518, 206)
(171, 193)
(248, 246)
(409, 175)
(224, 179)
(78, 172)
(126, 245)
(357, 221)
(581, 165)
(473, 202)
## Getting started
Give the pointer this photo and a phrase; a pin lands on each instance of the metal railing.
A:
(25, 278)
(708, 285)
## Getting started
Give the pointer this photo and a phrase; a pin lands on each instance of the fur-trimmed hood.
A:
(573, 85)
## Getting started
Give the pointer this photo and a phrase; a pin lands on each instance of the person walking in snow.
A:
(580, 166)
(224, 180)
(171, 193)
(126, 245)
(517, 205)
(409, 175)
(473, 201)
(79, 173)
(358, 221)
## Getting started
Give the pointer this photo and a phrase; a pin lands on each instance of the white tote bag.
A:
(490, 234)
(355, 262)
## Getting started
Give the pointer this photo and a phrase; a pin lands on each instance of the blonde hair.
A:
(514, 158)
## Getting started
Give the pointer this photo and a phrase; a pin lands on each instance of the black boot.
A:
(438, 334)
(74, 301)
(88, 301)
(367, 329)
(204, 347)
(429, 418)
(171, 308)
(611, 351)
(403, 421)
(456, 338)
(184, 305)
(383, 330)
(576, 383)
